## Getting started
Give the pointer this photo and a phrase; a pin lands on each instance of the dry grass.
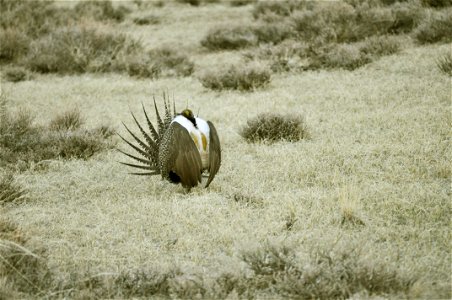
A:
(367, 197)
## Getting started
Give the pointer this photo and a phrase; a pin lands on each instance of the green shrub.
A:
(243, 78)
(16, 74)
(78, 50)
(275, 127)
(147, 20)
(444, 63)
(437, 27)
(10, 191)
(100, 10)
(229, 38)
(13, 44)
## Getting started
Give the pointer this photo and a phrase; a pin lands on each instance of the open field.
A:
(361, 209)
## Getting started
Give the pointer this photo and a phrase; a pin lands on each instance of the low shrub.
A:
(22, 141)
(147, 20)
(407, 16)
(436, 27)
(437, 3)
(171, 62)
(100, 10)
(78, 50)
(289, 55)
(243, 78)
(229, 38)
(444, 63)
(16, 74)
(13, 44)
(275, 10)
(191, 2)
(354, 55)
(241, 2)
(275, 127)
(272, 32)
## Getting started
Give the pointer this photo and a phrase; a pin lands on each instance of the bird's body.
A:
(182, 149)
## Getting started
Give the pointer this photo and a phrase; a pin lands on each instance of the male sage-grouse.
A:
(181, 149)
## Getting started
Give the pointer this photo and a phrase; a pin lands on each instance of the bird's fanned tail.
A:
(147, 148)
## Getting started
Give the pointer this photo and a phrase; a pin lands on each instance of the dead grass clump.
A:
(16, 74)
(444, 63)
(437, 27)
(100, 11)
(10, 191)
(229, 38)
(275, 127)
(23, 267)
(245, 78)
(21, 140)
(78, 50)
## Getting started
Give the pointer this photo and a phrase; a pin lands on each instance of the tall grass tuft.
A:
(10, 191)
(444, 63)
(275, 127)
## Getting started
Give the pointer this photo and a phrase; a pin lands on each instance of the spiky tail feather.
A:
(148, 148)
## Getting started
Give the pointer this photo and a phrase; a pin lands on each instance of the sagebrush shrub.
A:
(147, 20)
(271, 10)
(171, 62)
(241, 2)
(273, 127)
(100, 10)
(229, 38)
(444, 63)
(245, 78)
(79, 49)
(13, 44)
(16, 74)
(436, 27)
(22, 141)
(437, 3)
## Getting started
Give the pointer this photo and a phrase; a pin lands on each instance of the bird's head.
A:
(187, 113)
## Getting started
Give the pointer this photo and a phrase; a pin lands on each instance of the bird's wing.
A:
(214, 153)
(183, 157)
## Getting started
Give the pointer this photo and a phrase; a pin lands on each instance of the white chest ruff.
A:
(200, 136)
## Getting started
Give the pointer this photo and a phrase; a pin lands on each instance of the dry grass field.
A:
(359, 209)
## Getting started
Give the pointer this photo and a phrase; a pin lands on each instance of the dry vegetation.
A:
(334, 119)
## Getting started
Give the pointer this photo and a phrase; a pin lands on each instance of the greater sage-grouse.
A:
(181, 149)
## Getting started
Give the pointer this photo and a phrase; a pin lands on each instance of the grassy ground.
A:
(362, 206)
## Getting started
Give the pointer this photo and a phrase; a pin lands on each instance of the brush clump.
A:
(271, 127)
